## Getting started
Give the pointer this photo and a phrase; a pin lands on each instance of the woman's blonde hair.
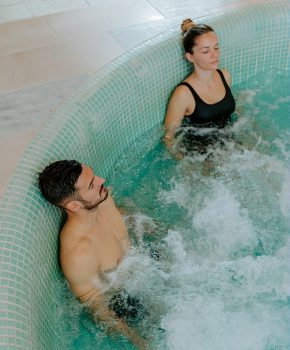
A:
(186, 25)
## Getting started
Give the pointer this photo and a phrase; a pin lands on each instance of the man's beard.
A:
(92, 205)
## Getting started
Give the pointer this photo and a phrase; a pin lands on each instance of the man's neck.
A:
(84, 216)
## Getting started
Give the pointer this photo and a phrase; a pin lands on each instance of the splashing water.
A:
(222, 276)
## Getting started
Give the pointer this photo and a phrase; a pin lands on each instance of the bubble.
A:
(220, 224)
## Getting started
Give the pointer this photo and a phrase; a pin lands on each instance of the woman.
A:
(204, 98)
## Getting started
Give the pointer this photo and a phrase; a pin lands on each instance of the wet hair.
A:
(57, 182)
(191, 31)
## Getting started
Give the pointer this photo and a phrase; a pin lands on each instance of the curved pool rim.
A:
(97, 126)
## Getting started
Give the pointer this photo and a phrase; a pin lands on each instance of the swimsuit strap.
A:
(192, 89)
(195, 95)
(223, 79)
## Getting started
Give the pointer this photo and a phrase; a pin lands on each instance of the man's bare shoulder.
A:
(79, 260)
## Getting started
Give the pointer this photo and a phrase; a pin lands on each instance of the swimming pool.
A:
(222, 233)
(33, 302)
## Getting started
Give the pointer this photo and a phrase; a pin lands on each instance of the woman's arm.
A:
(176, 110)
(84, 277)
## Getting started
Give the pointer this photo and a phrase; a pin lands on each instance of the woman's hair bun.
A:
(186, 25)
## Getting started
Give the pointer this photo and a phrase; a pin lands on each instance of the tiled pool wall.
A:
(102, 121)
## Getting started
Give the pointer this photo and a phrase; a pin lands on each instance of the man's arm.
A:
(85, 282)
(94, 300)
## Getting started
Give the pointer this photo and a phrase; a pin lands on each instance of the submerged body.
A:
(94, 239)
(204, 98)
(87, 251)
(211, 117)
(215, 114)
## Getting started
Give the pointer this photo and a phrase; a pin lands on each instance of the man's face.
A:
(90, 189)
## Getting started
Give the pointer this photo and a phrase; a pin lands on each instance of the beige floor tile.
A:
(68, 5)
(25, 35)
(42, 8)
(9, 2)
(14, 13)
(5, 84)
(104, 17)
(27, 108)
(59, 61)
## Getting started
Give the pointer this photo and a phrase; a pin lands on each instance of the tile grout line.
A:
(157, 9)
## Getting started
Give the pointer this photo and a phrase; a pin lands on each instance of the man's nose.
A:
(99, 180)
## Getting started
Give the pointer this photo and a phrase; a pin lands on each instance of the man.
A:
(94, 238)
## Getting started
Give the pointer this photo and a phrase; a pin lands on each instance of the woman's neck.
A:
(203, 77)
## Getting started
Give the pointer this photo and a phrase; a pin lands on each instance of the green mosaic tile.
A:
(97, 125)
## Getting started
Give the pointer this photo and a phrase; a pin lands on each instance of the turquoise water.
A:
(221, 229)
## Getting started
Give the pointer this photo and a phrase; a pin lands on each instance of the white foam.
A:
(246, 97)
(224, 223)
(207, 325)
(220, 296)
(285, 197)
(223, 280)
(229, 305)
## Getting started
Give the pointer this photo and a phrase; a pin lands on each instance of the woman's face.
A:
(206, 52)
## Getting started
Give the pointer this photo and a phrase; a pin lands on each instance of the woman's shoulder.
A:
(182, 90)
(227, 76)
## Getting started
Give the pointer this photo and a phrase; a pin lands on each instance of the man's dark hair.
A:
(57, 182)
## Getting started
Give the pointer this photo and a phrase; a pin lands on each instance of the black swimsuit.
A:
(216, 114)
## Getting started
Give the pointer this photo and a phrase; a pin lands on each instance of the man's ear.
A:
(73, 205)
(189, 57)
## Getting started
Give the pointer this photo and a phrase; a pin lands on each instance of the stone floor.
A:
(48, 48)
